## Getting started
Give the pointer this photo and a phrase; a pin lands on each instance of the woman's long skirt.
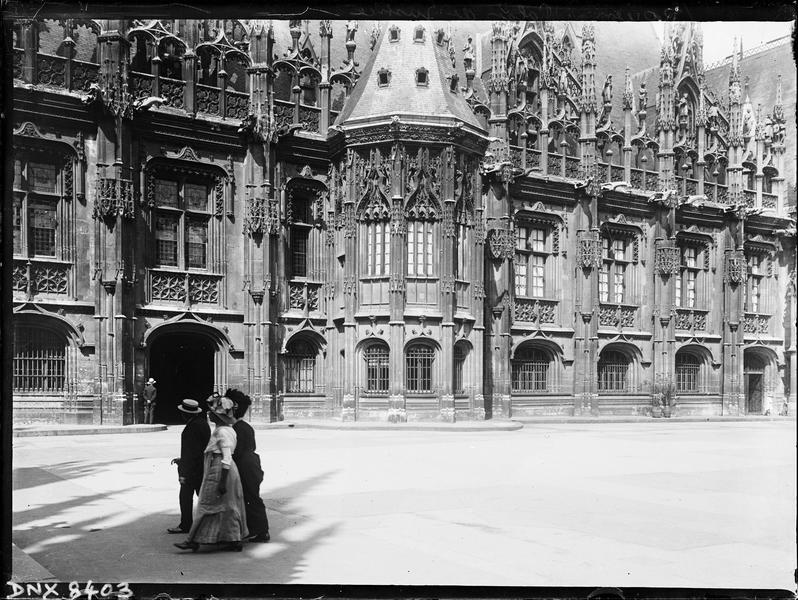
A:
(219, 517)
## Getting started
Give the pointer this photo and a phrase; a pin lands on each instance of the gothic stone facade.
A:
(399, 242)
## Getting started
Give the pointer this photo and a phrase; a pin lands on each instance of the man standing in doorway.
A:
(149, 394)
(193, 441)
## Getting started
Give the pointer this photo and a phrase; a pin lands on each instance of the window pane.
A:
(42, 177)
(690, 257)
(387, 249)
(196, 196)
(677, 294)
(520, 238)
(604, 284)
(42, 229)
(166, 192)
(691, 294)
(605, 247)
(39, 360)
(538, 271)
(299, 252)
(196, 245)
(411, 255)
(619, 249)
(166, 241)
(520, 275)
(429, 248)
(539, 240)
(618, 283)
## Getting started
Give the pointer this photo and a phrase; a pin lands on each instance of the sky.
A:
(719, 35)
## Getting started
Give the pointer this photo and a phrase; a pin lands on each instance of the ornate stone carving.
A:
(588, 250)
(203, 289)
(501, 241)
(397, 283)
(735, 270)
(168, 286)
(691, 319)
(667, 258)
(50, 279)
(447, 283)
(617, 315)
(114, 198)
(207, 99)
(756, 323)
(51, 70)
(296, 295)
(534, 311)
(479, 291)
(172, 92)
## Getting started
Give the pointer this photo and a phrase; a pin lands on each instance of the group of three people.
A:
(224, 470)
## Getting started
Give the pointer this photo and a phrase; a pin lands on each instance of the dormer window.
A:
(441, 36)
(418, 35)
(421, 77)
(383, 77)
(453, 81)
(393, 34)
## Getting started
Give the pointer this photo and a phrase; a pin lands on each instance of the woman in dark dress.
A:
(249, 467)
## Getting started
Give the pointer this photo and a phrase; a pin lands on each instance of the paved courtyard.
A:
(631, 504)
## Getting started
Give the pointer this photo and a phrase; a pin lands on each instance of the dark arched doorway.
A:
(182, 366)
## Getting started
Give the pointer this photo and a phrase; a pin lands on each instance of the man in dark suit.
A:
(193, 441)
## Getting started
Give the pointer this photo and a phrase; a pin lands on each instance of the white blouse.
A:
(223, 441)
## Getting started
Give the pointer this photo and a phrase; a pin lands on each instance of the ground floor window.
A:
(613, 372)
(377, 361)
(39, 360)
(688, 368)
(530, 371)
(418, 369)
(300, 367)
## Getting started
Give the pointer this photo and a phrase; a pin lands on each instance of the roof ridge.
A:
(750, 52)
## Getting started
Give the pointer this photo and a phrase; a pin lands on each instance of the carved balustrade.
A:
(769, 200)
(237, 105)
(187, 287)
(37, 276)
(617, 315)
(528, 310)
(756, 323)
(691, 319)
(303, 295)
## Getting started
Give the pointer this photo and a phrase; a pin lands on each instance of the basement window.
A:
(441, 37)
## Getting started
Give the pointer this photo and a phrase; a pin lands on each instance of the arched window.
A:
(613, 372)
(418, 369)
(377, 358)
(458, 379)
(300, 367)
(688, 372)
(530, 370)
(39, 360)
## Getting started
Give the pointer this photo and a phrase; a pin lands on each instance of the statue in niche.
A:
(351, 29)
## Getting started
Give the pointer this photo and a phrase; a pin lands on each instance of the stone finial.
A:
(628, 91)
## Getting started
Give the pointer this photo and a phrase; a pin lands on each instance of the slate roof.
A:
(403, 96)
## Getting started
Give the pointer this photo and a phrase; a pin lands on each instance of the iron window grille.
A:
(39, 361)
(377, 369)
(418, 369)
(688, 369)
(300, 368)
(530, 371)
(613, 372)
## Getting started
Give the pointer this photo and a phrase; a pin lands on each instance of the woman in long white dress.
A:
(220, 516)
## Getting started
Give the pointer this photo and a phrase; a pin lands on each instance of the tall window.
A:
(531, 253)
(458, 381)
(418, 369)
(420, 247)
(612, 276)
(300, 367)
(39, 360)
(378, 248)
(377, 361)
(463, 254)
(686, 293)
(181, 223)
(754, 285)
(530, 370)
(35, 208)
(613, 372)
(688, 367)
(300, 233)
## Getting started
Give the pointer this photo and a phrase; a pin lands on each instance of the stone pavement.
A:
(623, 504)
